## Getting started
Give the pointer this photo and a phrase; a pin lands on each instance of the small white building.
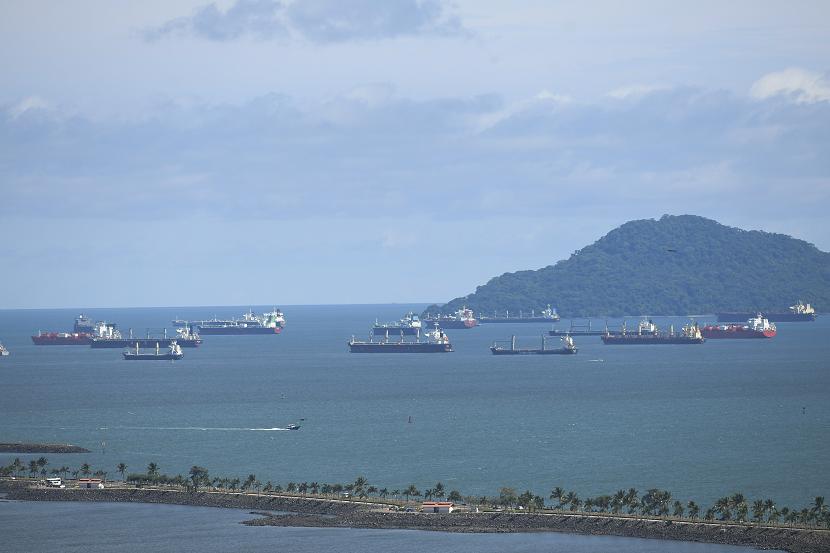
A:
(441, 507)
(91, 483)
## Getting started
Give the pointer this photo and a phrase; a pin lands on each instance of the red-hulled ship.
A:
(756, 327)
(463, 318)
(62, 339)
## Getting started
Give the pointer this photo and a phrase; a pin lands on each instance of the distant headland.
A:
(676, 265)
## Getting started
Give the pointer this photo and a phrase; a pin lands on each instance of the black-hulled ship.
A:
(409, 325)
(568, 348)
(581, 329)
(648, 333)
(250, 323)
(547, 315)
(800, 312)
(434, 341)
(173, 353)
(463, 318)
(184, 338)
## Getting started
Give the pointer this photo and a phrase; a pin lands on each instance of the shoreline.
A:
(332, 513)
(25, 448)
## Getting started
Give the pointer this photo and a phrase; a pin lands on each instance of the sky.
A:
(264, 152)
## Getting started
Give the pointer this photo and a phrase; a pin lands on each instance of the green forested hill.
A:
(676, 265)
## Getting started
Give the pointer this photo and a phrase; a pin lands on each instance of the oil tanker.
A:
(44, 338)
(409, 325)
(647, 333)
(800, 312)
(267, 323)
(756, 327)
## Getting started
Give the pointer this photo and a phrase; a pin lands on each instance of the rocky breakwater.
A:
(6, 447)
(250, 501)
(762, 537)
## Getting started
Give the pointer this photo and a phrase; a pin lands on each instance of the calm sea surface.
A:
(702, 421)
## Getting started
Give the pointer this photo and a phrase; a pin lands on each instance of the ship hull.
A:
(736, 334)
(649, 340)
(561, 351)
(771, 317)
(143, 342)
(152, 357)
(61, 340)
(366, 347)
(236, 330)
(557, 332)
(451, 323)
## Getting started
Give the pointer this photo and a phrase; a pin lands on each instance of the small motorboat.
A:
(293, 426)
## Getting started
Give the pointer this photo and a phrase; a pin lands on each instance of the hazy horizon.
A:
(320, 152)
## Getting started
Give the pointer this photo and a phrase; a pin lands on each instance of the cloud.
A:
(800, 85)
(323, 21)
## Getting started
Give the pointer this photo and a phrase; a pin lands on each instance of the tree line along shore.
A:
(734, 510)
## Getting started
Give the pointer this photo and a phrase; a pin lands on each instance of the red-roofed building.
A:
(91, 483)
(437, 507)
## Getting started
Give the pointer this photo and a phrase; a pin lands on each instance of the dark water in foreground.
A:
(702, 421)
(127, 528)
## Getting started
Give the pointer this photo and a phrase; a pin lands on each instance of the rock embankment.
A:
(199, 499)
(788, 539)
(41, 448)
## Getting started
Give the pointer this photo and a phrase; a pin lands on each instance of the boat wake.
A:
(199, 428)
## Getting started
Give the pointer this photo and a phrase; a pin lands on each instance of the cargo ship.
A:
(582, 329)
(173, 353)
(756, 327)
(647, 333)
(547, 315)
(568, 348)
(799, 312)
(184, 338)
(267, 323)
(409, 325)
(435, 342)
(463, 318)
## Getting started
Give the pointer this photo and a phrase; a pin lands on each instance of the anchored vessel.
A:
(756, 327)
(267, 323)
(799, 312)
(547, 315)
(409, 325)
(174, 352)
(568, 347)
(83, 324)
(184, 337)
(582, 329)
(435, 342)
(463, 318)
(647, 333)
(44, 338)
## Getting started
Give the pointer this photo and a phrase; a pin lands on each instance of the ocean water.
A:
(701, 421)
(123, 528)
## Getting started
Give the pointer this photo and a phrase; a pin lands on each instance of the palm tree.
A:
(618, 501)
(819, 508)
(589, 504)
(758, 510)
(65, 471)
(371, 489)
(438, 490)
(152, 470)
(722, 507)
(85, 469)
(678, 509)
(234, 484)
(383, 493)
(411, 491)
(303, 488)
(360, 483)
(557, 493)
(428, 494)
(741, 511)
(17, 466)
(249, 481)
(396, 493)
(268, 487)
(325, 489)
(122, 468)
(694, 510)
(33, 468)
(315, 487)
(198, 475)
(454, 496)
(42, 462)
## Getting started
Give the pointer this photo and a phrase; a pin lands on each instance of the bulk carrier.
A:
(800, 312)
(568, 348)
(547, 315)
(647, 333)
(184, 338)
(173, 353)
(435, 342)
